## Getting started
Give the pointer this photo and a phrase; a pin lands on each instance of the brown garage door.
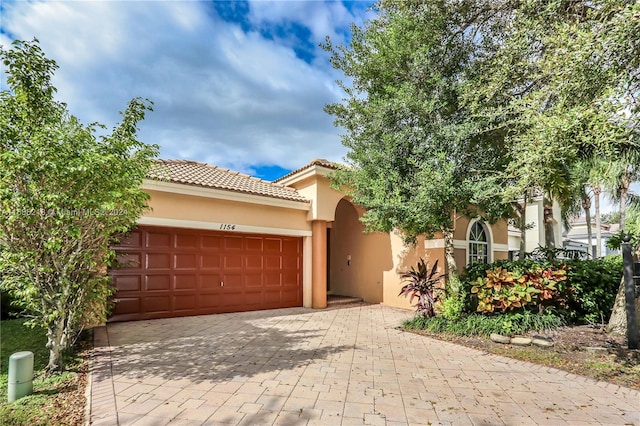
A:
(169, 272)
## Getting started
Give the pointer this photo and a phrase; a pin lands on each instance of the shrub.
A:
(422, 283)
(594, 284)
(586, 296)
(483, 325)
(503, 290)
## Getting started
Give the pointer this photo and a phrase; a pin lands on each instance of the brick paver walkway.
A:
(328, 367)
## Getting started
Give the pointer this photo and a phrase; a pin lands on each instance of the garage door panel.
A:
(133, 240)
(272, 279)
(274, 296)
(254, 244)
(178, 272)
(157, 283)
(157, 304)
(231, 299)
(290, 262)
(158, 261)
(158, 240)
(291, 246)
(254, 298)
(186, 261)
(209, 282)
(290, 278)
(128, 306)
(211, 242)
(232, 243)
(210, 261)
(126, 283)
(185, 282)
(184, 302)
(289, 296)
(272, 262)
(272, 245)
(232, 261)
(253, 280)
(187, 241)
(253, 262)
(129, 260)
(233, 281)
(207, 301)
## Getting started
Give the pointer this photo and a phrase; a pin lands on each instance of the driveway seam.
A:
(104, 409)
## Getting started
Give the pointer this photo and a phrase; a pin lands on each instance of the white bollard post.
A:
(20, 375)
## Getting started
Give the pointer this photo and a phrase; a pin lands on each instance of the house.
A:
(577, 237)
(218, 241)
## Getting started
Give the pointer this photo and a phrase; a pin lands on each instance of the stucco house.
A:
(218, 241)
(577, 236)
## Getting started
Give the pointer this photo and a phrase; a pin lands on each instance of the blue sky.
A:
(237, 84)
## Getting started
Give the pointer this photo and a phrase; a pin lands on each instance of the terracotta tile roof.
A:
(317, 162)
(208, 176)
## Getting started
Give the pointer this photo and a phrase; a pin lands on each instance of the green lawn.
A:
(39, 408)
(15, 337)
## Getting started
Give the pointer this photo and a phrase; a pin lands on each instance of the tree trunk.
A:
(625, 181)
(618, 320)
(549, 235)
(586, 205)
(521, 210)
(596, 197)
(452, 268)
(57, 340)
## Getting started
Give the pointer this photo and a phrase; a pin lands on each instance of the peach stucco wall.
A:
(168, 205)
(407, 256)
(369, 265)
(498, 230)
(324, 199)
(357, 260)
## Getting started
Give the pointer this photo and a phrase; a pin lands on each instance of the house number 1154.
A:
(227, 227)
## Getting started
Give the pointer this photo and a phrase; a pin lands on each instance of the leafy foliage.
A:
(594, 284)
(64, 193)
(615, 241)
(632, 229)
(483, 325)
(452, 304)
(422, 283)
(585, 295)
(481, 103)
(504, 290)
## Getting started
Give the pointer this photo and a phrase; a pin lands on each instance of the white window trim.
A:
(490, 243)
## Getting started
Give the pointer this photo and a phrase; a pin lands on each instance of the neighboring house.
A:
(220, 241)
(535, 234)
(577, 238)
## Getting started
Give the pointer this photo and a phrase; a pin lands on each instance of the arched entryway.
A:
(356, 261)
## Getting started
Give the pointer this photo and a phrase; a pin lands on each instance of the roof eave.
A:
(304, 173)
(222, 194)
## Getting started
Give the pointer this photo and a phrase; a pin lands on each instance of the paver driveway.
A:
(328, 367)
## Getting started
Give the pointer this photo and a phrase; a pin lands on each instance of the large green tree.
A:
(417, 159)
(564, 82)
(64, 194)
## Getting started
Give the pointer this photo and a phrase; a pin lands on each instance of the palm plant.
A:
(422, 283)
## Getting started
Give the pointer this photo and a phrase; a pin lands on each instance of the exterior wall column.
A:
(319, 264)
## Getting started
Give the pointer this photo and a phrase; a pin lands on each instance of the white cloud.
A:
(222, 95)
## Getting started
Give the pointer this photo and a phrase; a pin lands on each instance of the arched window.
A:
(478, 244)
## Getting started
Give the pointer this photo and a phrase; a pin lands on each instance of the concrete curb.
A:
(103, 398)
